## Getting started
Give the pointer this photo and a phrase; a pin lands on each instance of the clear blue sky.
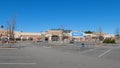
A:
(40, 15)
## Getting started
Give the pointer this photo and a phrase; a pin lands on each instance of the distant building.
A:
(109, 36)
(28, 36)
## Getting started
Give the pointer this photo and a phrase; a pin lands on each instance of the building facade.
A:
(28, 36)
(56, 35)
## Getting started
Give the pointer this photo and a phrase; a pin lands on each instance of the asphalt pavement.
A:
(44, 55)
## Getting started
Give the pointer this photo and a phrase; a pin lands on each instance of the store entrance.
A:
(55, 38)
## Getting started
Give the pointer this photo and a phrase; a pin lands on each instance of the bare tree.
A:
(100, 30)
(11, 28)
(1, 27)
(62, 28)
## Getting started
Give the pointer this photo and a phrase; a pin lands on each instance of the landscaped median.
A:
(110, 44)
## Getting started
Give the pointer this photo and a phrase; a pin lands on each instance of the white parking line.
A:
(89, 50)
(104, 53)
(47, 47)
(17, 63)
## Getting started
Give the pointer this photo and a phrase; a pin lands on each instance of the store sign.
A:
(77, 34)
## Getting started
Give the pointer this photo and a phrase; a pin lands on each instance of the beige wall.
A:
(54, 32)
(27, 35)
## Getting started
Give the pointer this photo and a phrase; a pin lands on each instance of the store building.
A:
(54, 35)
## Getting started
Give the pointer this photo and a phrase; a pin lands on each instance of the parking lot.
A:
(45, 55)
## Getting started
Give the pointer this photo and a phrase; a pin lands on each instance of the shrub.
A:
(113, 41)
(109, 40)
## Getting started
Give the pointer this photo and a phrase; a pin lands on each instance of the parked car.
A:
(72, 41)
(4, 40)
(39, 40)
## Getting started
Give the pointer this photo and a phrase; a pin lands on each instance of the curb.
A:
(8, 48)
